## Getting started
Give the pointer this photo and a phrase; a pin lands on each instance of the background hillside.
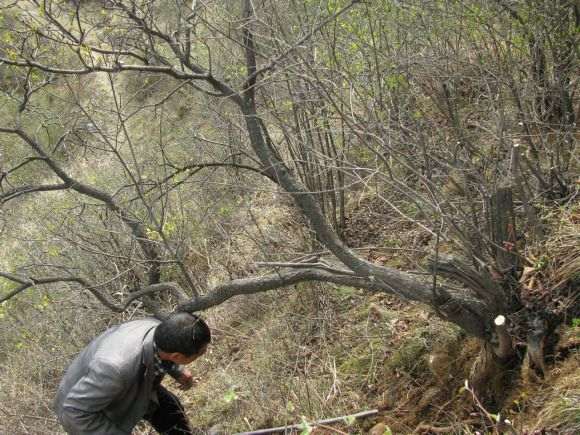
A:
(353, 193)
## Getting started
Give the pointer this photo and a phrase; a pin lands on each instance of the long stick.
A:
(286, 429)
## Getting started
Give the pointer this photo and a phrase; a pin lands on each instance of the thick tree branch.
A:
(469, 313)
(15, 278)
(74, 184)
(319, 265)
(247, 286)
(480, 282)
(304, 200)
(172, 287)
(23, 190)
(118, 67)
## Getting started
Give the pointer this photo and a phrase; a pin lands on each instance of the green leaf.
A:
(305, 427)
(230, 396)
(350, 419)
(169, 228)
(53, 251)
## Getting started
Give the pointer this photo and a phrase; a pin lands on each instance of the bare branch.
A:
(137, 228)
(320, 265)
(23, 190)
(250, 81)
(174, 288)
(118, 67)
(478, 281)
(459, 310)
(199, 166)
(281, 279)
(198, 72)
(23, 163)
(28, 282)
(16, 278)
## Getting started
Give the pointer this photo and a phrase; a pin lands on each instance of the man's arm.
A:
(181, 374)
(85, 402)
(173, 369)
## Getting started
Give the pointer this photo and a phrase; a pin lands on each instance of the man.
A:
(116, 380)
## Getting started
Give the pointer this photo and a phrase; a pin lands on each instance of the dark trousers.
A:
(169, 418)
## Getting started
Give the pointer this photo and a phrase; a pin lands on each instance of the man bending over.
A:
(116, 380)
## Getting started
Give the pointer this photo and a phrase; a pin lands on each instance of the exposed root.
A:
(536, 341)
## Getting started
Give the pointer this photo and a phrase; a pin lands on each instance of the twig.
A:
(499, 424)
(319, 265)
(299, 43)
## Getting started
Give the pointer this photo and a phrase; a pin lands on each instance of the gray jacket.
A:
(108, 388)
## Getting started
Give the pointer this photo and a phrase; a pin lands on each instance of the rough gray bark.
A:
(535, 340)
(503, 231)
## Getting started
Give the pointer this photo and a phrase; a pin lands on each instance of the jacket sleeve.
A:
(84, 405)
(175, 370)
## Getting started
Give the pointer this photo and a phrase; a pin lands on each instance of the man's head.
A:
(182, 338)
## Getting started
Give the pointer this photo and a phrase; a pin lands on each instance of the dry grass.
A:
(316, 351)
(323, 351)
(552, 404)
(37, 342)
(553, 273)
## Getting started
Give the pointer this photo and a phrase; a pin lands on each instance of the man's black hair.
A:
(182, 332)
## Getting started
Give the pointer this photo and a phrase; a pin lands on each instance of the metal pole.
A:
(286, 429)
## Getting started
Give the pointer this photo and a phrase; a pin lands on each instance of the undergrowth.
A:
(317, 351)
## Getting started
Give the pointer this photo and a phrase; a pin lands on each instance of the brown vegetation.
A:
(408, 171)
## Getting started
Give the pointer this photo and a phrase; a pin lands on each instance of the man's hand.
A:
(186, 380)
